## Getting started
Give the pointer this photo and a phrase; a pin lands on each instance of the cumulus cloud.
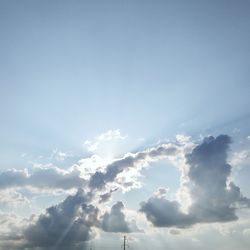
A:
(214, 198)
(66, 224)
(12, 198)
(164, 213)
(205, 180)
(13, 177)
(115, 220)
(48, 177)
(11, 231)
(131, 161)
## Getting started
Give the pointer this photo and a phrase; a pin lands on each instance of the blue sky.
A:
(102, 79)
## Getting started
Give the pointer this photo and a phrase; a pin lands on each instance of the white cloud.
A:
(88, 166)
(11, 198)
(240, 158)
(183, 139)
(59, 155)
(110, 135)
(91, 146)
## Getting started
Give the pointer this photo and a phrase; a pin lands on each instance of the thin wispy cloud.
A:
(110, 135)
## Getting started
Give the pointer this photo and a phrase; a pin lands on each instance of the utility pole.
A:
(124, 243)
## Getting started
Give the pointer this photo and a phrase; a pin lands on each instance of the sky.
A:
(124, 118)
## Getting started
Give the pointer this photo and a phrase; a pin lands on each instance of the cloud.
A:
(12, 198)
(115, 221)
(91, 165)
(13, 177)
(71, 223)
(174, 232)
(183, 139)
(43, 177)
(11, 231)
(164, 213)
(91, 146)
(95, 170)
(66, 224)
(111, 135)
(240, 158)
(131, 161)
(104, 137)
(106, 196)
(246, 232)
(59, 155)
(214, 198)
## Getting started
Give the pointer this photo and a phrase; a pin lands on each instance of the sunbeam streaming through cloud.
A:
(124, 122)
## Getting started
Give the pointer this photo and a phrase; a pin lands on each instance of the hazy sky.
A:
(124, 117)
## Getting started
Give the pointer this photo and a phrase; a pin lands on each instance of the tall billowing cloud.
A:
(66, 224)
(214, 198)
(116, 222)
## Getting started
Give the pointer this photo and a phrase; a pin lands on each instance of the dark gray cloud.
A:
(214, 197)
(43, 177)
(12, 178)
(107, 196)
(66, 224)
(100, 179)
(51, 177)
(164, 213)
(70, 223)
(115, 221)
